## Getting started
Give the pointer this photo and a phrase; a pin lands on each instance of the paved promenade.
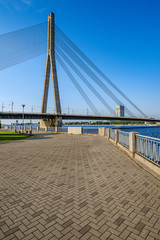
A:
(75, 187)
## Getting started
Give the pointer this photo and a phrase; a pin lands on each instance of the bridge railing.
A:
(123, 138)
(140, 147)
(62, 129)
(90, 130)
(149, 148)
(112, 134)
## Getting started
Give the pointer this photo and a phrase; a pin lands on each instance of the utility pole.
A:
(2, 106)
(32, 112)
(12, 106)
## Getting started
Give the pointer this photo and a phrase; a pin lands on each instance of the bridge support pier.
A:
(57, 122)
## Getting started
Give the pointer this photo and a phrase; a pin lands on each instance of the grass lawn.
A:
(10, 136)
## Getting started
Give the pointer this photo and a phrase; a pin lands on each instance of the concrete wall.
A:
(147, 163)
(75, 130)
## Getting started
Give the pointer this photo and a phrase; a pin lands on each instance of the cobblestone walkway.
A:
(75, 187)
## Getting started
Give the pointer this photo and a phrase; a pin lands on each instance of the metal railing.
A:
(62, 129)
(90, 130)
(123, 138)
(112, 133)
(149, 148)
(51, 129)
(106, 132)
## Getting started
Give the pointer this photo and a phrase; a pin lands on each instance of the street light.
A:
(32, 112)
(23, 105)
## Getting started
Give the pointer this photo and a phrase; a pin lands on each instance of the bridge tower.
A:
(51, 67)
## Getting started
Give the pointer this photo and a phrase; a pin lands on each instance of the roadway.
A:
(48, 116)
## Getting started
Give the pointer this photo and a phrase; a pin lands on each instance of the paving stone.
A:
(36, 214)
(67, 224)
(2, 223)
(109, 199)
(27, 205)
(140, 226)
(119, 221)
(11, 231)
(99, 212)
(83, 204)
(50, 219)
(85, 229)
(145, 209)
(124, 202)
(58, 186)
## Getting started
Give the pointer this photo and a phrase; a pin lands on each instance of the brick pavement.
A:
(75, 187)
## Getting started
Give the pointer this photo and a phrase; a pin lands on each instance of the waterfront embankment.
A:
(60, 186)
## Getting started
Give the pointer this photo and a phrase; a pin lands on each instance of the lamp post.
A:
(32, 112)
(23, 105)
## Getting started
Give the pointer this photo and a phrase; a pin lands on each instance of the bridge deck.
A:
(75, 187)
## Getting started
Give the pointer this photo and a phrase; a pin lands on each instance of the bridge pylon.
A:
(51, 67)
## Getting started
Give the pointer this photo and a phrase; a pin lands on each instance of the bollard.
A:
(37, 129)
(46, 129)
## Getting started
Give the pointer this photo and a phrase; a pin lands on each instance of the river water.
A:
(150, 131)
(147, 131)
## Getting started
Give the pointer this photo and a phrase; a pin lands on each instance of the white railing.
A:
(106, 132)
(90, 130)
(112, 134)
(149, 148)
(123, 138)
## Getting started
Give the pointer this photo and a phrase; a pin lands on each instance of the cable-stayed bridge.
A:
(48, 116)
(24, 44)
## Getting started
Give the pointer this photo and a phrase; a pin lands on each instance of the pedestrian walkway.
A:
(75, 187)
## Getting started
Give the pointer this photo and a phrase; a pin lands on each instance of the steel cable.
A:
(85, 68)
(76, 84)
(89, 62)
(102, 100)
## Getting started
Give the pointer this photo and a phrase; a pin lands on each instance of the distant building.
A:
(119, 111)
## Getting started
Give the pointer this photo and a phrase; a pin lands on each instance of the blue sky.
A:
(122, 37)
